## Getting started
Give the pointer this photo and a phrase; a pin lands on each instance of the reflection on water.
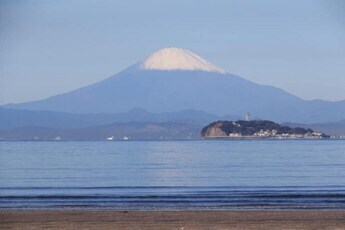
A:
(196, 174)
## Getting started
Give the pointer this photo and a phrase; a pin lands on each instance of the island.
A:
(243, 129)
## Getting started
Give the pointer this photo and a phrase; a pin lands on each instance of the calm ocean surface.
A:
(250, 174)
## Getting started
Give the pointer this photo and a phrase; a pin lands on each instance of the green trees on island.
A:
(250, 128)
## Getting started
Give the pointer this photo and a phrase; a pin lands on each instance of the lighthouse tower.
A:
(247, 116)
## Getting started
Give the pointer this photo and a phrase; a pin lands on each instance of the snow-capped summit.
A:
(178, 59)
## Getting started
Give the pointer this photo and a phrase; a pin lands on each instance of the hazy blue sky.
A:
(51, 47)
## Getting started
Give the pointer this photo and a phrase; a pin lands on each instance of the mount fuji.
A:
(174, 79)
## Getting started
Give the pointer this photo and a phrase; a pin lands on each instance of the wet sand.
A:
(172, 219)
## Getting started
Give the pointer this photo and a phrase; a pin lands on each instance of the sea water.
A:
(150, 175)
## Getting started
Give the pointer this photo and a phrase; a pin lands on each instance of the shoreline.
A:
(102, 219)
(178, 140)
(171, 209)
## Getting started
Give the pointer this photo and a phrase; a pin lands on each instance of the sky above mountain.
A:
(52, 47)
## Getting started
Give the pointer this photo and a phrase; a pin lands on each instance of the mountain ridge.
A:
(115, 131)
(160, 91)
(14, 118)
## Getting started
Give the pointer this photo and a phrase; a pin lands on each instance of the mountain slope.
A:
(132, 130)
(14, 118)
(174, 79)
(331, 128)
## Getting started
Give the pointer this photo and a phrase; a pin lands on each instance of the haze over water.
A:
(173, 175)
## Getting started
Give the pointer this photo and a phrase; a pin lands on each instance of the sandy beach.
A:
(172, 219)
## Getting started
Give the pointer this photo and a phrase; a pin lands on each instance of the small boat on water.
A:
(110, 138)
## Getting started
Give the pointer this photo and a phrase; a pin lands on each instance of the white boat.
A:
(110, 138)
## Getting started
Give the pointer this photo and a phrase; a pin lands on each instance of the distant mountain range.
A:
(172, 80)
(114, 131)
(332, 128)
(136, 124)
(13, 118)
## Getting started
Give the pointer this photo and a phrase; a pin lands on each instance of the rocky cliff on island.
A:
(256, 129)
